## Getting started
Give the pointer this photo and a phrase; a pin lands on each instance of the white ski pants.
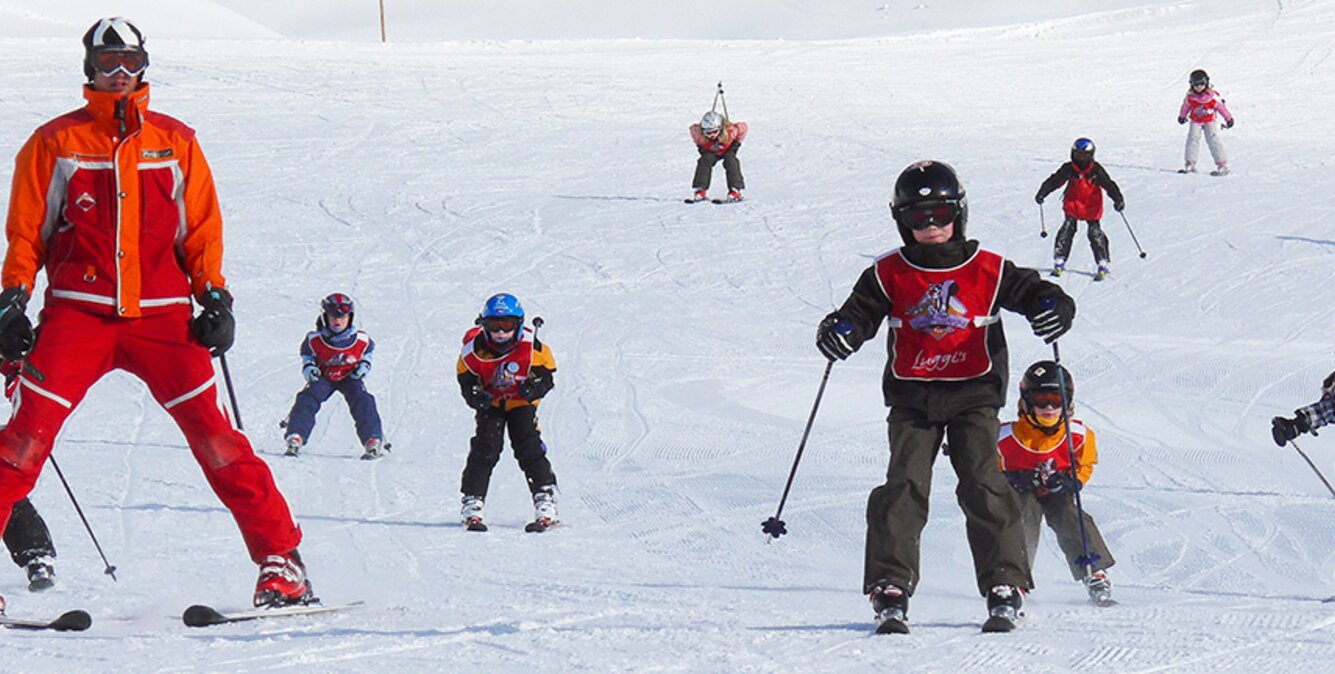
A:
(1211, 131)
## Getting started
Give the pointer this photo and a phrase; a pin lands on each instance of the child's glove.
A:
(1181, 120)
(1228, 124)
(363, 369)
(477, 397)
(311, 372)
(832, 338)
(1051, 316)
(1119, 205)
(1023, 481)
(1038, 198)
(535, 386)
(1062, 482)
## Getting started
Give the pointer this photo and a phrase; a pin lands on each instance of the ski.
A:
(726, 201)
(475, 524)
(69, 621)
(539, 526)
(999, 622)
(207, 616)
(695, 200)
(892, 622)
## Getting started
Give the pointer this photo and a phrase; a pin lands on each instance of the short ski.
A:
(696, 200)
(999, 623)
(539, 526)
(206, 616)
(727, 201)
(475, 524)
(892, 626)
(69, 621)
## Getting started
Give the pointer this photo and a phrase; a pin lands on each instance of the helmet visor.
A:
(500, 324)
(1041, 399)
(130, 62)
(338, 308)
(921, 217)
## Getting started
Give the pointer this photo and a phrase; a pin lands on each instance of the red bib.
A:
(1015, 455)
(501, 375)
(338, 363)
(1083, 199)
(941, 316)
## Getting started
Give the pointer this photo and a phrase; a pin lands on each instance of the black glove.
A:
(1039, 197)
(1062, 482)
(1119, 205)
(832, 338)
(1181, 120)
(1228, 124)
(535, 386)
(1023, 481)
(477, 397)
(16, 336)
(215, 327)
(1284, 430)
(1051, 316)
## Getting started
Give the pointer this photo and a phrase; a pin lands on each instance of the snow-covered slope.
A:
(420, 178)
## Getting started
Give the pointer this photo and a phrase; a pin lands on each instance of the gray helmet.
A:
(712, 122)
(1200, 77)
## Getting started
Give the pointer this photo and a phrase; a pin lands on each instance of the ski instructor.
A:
(946, 379)
(117, 204)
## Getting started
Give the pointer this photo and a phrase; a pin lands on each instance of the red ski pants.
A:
(75, 349)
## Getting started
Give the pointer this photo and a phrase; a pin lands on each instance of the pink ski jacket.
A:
(1201, 108)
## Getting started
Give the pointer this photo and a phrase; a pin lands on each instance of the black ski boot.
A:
(1004, 604)
(891, 605)
(41, 574)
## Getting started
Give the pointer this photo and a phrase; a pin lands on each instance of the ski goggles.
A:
(131, 63)
(921, 218)
(340, 309)
(500, 324)
(1042, 399)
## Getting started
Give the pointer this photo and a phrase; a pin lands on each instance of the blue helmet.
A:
(502, 311)
(1082, 151)
(336, 304)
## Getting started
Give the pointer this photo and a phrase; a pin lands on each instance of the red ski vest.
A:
(1083, 198)
(1015, 455)
(500, 376)
(336, 363)
(941, 316)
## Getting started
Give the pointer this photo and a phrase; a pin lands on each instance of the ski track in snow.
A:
(422, 178)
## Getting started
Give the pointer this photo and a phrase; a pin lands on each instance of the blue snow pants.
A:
(301, 420)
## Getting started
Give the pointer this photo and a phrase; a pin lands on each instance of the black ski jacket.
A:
(867, 307)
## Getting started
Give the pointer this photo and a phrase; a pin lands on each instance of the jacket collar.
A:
(102, 105)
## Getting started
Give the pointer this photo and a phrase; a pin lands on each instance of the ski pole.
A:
(1133, 235)
(717, 93)
(1087, 559)
(1314, 468)
(724, 99)
(775, 526)
(1042, 223)
(227, 377)
(537, 323)
(109, 570)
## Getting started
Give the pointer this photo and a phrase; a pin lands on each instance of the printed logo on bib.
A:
(85, 201)
(939, 312)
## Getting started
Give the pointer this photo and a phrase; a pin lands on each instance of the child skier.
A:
(1199, 107)
(717, 138)
(1085, 181)
(946, 379)
(336, 356)
(1307, 419)
(503, 372)
(1036, 460)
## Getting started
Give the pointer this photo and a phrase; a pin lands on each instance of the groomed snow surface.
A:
(422, 177)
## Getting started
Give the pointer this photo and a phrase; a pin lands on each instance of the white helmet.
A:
(712, 122)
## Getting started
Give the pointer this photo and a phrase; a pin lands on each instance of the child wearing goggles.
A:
(1035, 457)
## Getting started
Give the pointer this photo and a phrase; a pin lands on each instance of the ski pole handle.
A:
(1042, 223)
(537, 323)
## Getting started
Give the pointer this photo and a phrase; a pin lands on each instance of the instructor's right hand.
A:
(832, 338)
(16, 336)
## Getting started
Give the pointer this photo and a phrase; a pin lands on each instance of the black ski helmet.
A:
(111, 34)
(924, 184)
(1041, 378)
(1200, 77)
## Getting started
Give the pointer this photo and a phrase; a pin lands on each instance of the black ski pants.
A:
(1062, 515)
(26, 535)
(897, 510)
(704, 169)
(486, 446)
(1098, 241)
